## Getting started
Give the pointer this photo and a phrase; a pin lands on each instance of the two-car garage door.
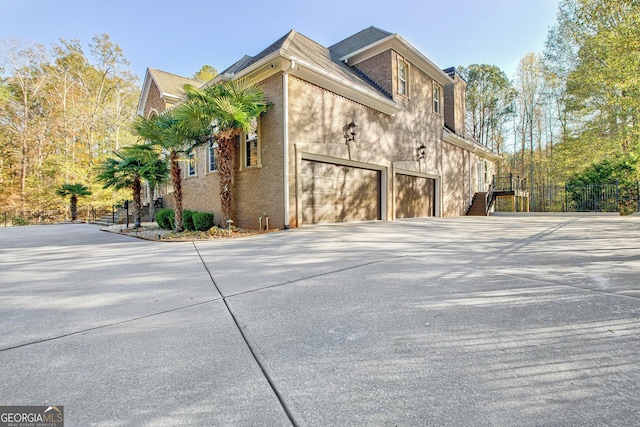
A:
(339, 193)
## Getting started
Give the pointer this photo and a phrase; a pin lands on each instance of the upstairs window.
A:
(212, 166)
(403, 72)
(191, 168)
(252, 147)
(251, 150)
(437, 96)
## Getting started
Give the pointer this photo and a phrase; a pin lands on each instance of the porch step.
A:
(105, 220)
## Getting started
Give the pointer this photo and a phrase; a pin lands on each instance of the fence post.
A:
(617, 197)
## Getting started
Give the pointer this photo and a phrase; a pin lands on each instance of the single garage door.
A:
(338, 193)
(415, 196)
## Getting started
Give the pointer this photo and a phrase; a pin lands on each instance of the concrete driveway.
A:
(497, 321)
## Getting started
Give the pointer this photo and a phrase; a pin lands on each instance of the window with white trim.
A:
(251, 147)
(191, 164)
(212, 165)
(486, 171)
(403, 73)
(437, 98)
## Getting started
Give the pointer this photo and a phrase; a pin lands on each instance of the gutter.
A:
(323, 79)
(285, 140)
(470, 146)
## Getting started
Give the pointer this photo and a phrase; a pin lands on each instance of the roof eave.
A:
(144, 94)
(281, 60)
(404, 48)
(469, 145)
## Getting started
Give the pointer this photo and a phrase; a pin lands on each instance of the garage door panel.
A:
(338, 193)
(415, 196)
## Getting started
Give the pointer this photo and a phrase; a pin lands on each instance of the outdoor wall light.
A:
(350, 131)
(422, 152)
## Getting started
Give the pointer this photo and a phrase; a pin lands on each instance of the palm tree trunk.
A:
(226, 145)
(152, 203)
(176, 178)
(136, 187)
(73, 207)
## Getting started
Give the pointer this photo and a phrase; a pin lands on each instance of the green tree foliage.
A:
(620, 169)
(490, 103)
(61, 111)
(595, 48)
(578, 104)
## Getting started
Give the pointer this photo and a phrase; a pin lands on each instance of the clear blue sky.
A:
(181, 36)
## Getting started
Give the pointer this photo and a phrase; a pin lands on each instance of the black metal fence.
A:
(15, 217)
(602, 197)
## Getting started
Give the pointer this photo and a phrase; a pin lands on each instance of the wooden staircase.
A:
(478, 205)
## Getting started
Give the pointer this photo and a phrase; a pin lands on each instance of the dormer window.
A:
(403, 73)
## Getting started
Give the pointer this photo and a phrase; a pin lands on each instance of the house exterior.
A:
(407, 155)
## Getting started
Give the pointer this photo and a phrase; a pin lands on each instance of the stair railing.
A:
(488, 201)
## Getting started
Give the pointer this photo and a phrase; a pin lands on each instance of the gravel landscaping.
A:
(151, 231)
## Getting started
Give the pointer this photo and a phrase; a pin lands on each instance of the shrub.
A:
(17, 220)
(202, 221)
(187, 220)
(164, 218)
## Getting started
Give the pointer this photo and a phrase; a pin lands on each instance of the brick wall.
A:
(455, 200)
(154, 101)
(380, 69)
(455, 105)
(256, 190)
(317, 117)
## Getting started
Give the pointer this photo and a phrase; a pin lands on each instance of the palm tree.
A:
(120, 172)
(155, 172)
(162, 131)
(129, 167)
(225, 111)
(75, 191)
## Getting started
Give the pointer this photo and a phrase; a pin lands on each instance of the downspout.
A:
(285, 141)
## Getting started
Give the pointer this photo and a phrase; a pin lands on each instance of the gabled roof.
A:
(330, 68)
(358, 41)
(372, 41)
(170, 86)
(317, 64)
